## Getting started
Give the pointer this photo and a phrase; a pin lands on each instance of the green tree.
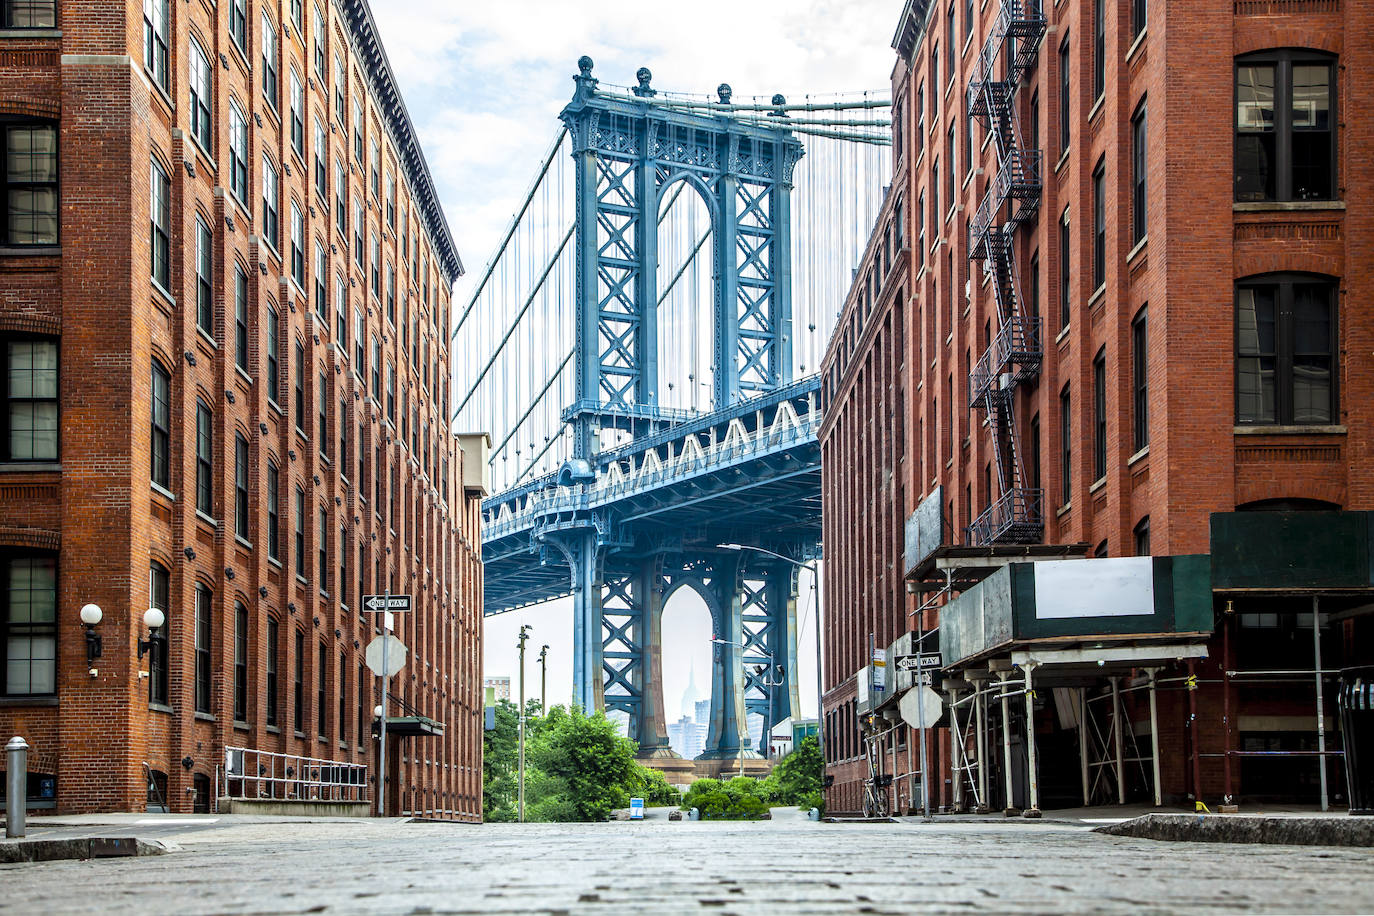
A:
(500, 761)
(588, 762)
(741, 799)
(798, 774)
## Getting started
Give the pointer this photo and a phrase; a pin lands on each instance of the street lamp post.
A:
(820, 683)
(544, 680)
(520, 803)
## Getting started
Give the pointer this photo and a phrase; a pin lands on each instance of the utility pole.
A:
(544, 680)
(524, 635)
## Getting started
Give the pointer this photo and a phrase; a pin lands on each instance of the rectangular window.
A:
(1286, 351)
(1035, 467)
(363, 705)
(1065, 118)
(159, 591)
(298, 245)
(240, 663)
(202, 94)
(376, 368)
(30, 626)
(238, 153)
(1139, 168)
(30, 186)
(1099, 49)
(321, 283)
(391, 200)
(358, 131)
(1099, 225)
(1065, 286)
(317, 32)
(297, 114)
(273, 512)
(30, 373)
(240, 318)
(238, 24)
(1033, 284)
(341, 313)
(375, 158)
(1139, 13)
(241, 486)
(1285, 136)
(321, 399)
(300, 387)
(340, 88)
(204, 659)
(160, 197)
(343, 699)
(273, 357)
(273, 655)
(298, 14)
(322, 551)
(321, 670)
(391, 294)
(204, 459)
(205, 254)
(951, 46)
(1065, 449)
(1140, 380)
(298, 685)
(949, 158)
(359, 356)
(300, 532)
(269, 61)
(345, 591)
(321, 170)
(161, 426)
(29, 14)
(271, 202)
(359, 224)
(341, 199)
(374, 261)
(1100, 415)
(155, 19)
(391, 393)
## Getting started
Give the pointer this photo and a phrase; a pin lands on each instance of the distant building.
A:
(499, 684)
(703, 712)
(687, 737)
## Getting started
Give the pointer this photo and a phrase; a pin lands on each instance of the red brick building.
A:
(1111, 308)
(224, 293)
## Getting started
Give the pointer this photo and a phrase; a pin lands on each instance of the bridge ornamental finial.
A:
(724, 91)
(584, 65)
(643, 90)
(780, 100)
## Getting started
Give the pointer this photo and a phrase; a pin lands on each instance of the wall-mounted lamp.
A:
(153, 619)
(91, 615)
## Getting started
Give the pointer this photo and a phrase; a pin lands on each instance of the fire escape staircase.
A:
(1015, 353)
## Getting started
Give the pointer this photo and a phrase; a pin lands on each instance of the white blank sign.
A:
(1116, 587)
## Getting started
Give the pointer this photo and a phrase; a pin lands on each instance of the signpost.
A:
(386, 604)
(916, 662)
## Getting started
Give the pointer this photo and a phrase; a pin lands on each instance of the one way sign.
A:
(394, 603)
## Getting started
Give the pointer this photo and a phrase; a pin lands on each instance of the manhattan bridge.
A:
(643, 347)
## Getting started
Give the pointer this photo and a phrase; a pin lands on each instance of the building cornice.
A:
(363, 29)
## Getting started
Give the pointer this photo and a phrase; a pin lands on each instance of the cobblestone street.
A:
(787, 865)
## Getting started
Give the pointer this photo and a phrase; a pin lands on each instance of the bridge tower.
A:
(628, 150)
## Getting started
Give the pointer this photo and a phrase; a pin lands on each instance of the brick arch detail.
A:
(1292, 486)
(29, 107)
(31, 538)
(1290, 259)
(31, 323)
(1278, 37)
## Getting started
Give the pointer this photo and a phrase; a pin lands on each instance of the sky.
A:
(484, 82)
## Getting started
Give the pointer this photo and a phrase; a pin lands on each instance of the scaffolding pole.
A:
(1154, 736)
(1321, 711)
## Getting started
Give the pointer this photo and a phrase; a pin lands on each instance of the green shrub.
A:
(741, 799)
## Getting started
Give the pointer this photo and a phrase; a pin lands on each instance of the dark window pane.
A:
(1312, 165)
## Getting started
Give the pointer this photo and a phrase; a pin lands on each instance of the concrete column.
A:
(726, 735)
(1034, 798)
(651, 732)
(587, 679)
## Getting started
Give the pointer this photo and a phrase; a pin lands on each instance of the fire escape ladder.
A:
(1015, 353)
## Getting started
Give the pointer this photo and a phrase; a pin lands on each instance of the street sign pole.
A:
(386, 680)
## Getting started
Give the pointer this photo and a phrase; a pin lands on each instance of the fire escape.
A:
(1016, 350)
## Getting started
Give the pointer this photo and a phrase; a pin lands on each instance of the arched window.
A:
(1285, 129)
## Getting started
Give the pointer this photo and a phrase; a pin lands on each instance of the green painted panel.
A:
(1192, 593)
(1292, 550)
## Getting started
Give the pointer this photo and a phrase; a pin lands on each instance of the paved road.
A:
(661, 867)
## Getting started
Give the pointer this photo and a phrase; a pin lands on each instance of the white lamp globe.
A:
(377, 710)
(91, 615)
(153, 618)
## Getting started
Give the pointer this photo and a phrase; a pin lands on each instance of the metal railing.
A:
(252, 774)
(1015, 517)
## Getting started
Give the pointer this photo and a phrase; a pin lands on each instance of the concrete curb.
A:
(1247, 828)
(84, 848)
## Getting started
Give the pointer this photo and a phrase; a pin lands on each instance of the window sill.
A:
(301, 580)
(160, 91)
(162, 491)
(1098, 484)
(204, 717)
(1062, 159)
(271, 402)
(1097, 107)
(1135, 45)
(1285, 206)
(1063, 334)
(36, 251)
(202, 517)
(243, 375)
(162, 708)
(272, 729)
(1064, 510)
(242, 726)
(205, 338)
(1143, 453)
(162, 291)
(1097, 296)
(8, 702)
(243, 542)
(30, 33)
(275, 562)
(30, 467)
(1289, 430)
(1139, 247)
